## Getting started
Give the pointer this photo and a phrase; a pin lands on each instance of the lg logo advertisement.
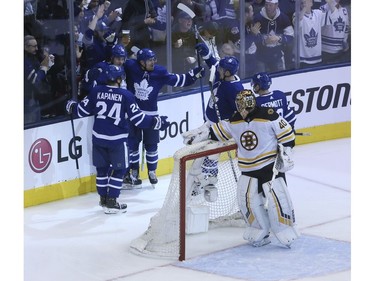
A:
(41, 153)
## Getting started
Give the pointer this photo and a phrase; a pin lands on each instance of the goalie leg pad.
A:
(281, 211)
(251, 206)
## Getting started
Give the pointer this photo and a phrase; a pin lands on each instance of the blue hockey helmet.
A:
(145, 54)
(114, 72)
(262, 79)
(230, 64)
(119, 51)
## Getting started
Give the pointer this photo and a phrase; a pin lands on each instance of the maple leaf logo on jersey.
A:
(311, 38)
(142, 90)
(339, 25)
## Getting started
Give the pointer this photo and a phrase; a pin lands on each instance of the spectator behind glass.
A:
(37, 90)
(183, 43)
(311, 22)
(335, 43)
(276, 37)
(138, 16)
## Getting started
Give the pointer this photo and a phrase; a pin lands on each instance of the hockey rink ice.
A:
(73, 240)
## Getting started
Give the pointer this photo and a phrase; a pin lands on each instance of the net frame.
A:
(158, 242)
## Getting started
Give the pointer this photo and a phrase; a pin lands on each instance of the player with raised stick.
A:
(145, 78)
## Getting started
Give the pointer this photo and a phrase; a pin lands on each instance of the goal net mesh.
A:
(162, 238)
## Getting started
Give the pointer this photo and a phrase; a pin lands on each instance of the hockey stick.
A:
(211, 83)
(74, 141)
(275, 173)
(302, 134)
(143, 157)
(187, 10)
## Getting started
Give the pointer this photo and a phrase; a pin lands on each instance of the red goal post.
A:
(183, 214)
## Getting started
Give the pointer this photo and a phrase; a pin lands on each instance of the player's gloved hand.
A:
(161, 123)
(203, 50)
(284, 160)
(197, 72)
(69, 106)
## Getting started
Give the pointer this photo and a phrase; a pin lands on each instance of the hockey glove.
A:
(196, 135)
(203, 50)
(160, 123)
(69, 106)
(284, 161)
(197, 72)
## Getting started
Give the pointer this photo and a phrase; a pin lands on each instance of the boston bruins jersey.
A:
(257, 136)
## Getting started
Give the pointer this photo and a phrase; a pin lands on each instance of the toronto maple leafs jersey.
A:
(336, 31)
(281, 26)
(146, 85)
(113, 108)
(277, 100)
(256, 137)
(225, 93)
(310, 39)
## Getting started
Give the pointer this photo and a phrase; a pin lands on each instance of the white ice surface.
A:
(74, 240)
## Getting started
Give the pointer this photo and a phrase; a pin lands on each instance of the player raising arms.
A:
(145, 79)
(225, 87)
(113, 108)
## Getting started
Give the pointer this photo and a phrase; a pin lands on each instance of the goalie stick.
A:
(302, 134)
(211, 84)
(187, 10)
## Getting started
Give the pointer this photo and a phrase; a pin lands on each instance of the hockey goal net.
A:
(167, 230)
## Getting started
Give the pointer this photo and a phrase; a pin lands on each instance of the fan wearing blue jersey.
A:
(145, 79)
(261, 82)
(113, 108)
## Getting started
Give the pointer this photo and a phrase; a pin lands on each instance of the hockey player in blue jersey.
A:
(226, 85)
(97, 74)
(145, 78)
(113, 108)
(261, 82)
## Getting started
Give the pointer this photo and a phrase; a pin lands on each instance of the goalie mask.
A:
(245, 100)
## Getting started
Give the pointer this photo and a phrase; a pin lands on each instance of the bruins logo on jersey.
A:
(249, 140)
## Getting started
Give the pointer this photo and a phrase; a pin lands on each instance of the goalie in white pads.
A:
(265, 141)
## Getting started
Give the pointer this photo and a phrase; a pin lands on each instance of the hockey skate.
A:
(152, 177)
(265, 241)
(103, 201)
(113, 207)
(132, 180)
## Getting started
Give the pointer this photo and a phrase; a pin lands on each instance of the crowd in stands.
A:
(270, 34)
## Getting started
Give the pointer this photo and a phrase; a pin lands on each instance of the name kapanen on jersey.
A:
(109, 96)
